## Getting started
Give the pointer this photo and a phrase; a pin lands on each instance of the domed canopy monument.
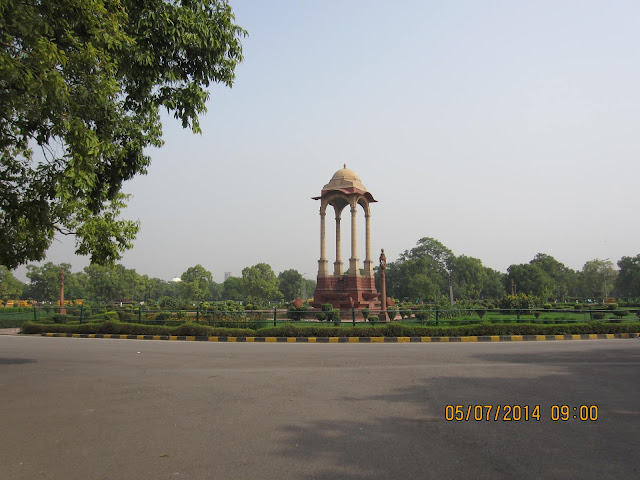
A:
(353, 289)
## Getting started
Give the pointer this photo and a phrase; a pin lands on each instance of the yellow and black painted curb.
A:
(487, 338)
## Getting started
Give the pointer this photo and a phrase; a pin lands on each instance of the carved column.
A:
(323, 270)
(354, 269)
(368, 264)
(337, 266)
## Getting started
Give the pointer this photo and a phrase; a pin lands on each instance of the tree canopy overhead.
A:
(82, 83)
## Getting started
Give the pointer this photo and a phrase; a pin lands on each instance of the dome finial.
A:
(344, 165)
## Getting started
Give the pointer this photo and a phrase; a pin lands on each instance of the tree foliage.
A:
(628, 280)
(597, 278)
(260, 284)
(291, 284)
(10, 287)
(196, 283)
(82, 83)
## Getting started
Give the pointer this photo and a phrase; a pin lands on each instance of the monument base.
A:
(346, 291)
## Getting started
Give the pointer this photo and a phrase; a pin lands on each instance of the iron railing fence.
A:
(13, 317)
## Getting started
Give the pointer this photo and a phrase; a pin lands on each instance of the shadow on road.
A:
(15, 361)
(408, 436)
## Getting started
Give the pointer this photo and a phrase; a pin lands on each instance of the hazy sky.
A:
(500, 128)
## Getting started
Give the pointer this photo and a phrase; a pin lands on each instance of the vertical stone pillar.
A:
(354, 268)
(63, 311)
(368, 264)
(337, 266)
(323, 270)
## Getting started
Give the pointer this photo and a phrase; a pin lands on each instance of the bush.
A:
(297, 313)
(373, 318)
(598, 315)
(536, 314)
(392, 311)
(422, 315)
(365, 313)
(577, 306)
(334, 316)
(612, 306)
(163, 316)
(620, 313)
(480, 312)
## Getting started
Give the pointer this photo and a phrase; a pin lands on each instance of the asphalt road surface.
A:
(127, 409)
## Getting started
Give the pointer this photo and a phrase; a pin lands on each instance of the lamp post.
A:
(383, 284)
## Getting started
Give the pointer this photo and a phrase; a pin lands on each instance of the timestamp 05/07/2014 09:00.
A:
(516, 413)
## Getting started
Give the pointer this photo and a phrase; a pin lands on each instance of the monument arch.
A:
(351, 289)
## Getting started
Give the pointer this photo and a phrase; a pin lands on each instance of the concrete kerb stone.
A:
(493, 338)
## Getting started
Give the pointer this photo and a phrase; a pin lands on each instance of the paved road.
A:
(126, 409)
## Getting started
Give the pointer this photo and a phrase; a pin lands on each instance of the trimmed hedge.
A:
(290, 330)
(121, 328)
(398, 330)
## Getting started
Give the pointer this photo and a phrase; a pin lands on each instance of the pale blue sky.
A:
(500, 128)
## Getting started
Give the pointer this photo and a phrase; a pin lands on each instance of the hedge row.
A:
(398, 330)
(122, 328)
(390, 330)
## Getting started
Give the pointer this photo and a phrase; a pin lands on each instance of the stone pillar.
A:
(354, 268)
(63, 311)
(368, 264)
(337, 265)
(323, 270)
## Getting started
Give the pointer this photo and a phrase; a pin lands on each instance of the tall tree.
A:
(44, 281)
(291, 283)
(563, 277)
(82, 82)
(628, 280)
(532, 280)
(597, 278)
(232, 289)
(469, 277)
(494, 284)
(10, 287)
(260, 284)
(196, 283)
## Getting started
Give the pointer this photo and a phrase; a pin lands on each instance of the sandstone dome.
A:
(345, 178)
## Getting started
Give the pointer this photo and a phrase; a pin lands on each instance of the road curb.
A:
(492, 338)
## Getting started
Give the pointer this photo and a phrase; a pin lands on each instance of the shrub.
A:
(373, 318)
(365, 313)
(620, 313)
(60, 319)
(612, 306)
(333, 315)
(598, 315)
(536, 314)
(393, 311)
(297, 313)
(480, 312)
(546, 306)
(577, 306)
(162, 316)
